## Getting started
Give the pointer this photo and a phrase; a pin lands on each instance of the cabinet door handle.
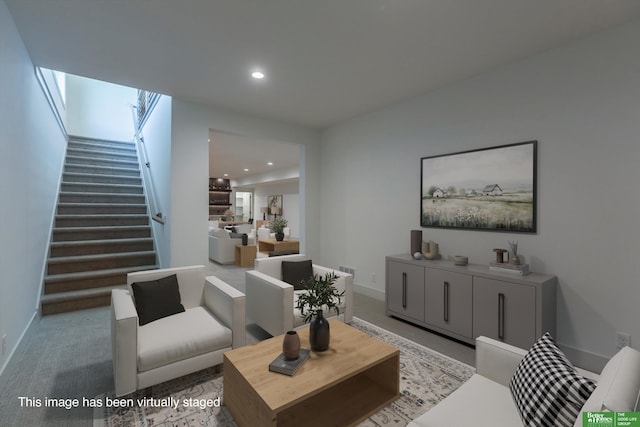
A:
(501, 316)
(404, 290)
(446, 301)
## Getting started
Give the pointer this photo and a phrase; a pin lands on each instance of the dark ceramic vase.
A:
(291, 345)
(319, 332)
(279, 237)
(245, 239)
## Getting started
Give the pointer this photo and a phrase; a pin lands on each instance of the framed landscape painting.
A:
(492, 189)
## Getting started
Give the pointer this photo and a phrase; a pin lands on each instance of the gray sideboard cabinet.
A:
(448, 302)
(464, 302)
(407, 297)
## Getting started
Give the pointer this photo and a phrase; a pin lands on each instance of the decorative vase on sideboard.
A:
(416, 241)
(279, 237)
(319, 332)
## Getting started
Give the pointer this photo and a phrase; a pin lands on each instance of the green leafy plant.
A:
(320, 293)
(278, 224)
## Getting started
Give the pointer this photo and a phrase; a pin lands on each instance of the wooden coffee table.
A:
(271, 245)
(342, 386)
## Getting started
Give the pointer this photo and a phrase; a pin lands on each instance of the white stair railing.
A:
(145, 165)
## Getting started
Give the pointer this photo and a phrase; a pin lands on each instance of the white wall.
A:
(31, 154)
(190, 169)
(290, 202)
(99, 109)
(582, 103)
(157, 141)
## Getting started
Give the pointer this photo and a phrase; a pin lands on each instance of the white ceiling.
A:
(325, 60)
(232, 154)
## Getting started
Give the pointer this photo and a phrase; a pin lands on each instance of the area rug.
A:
(426, 377)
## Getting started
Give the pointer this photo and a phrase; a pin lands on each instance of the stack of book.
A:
(282, 365)
(503, 267)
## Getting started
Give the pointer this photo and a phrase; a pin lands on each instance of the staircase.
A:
(101, 230)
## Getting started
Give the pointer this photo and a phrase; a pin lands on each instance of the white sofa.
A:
(485, 399)
(241, 229)
(222, 247)
(271, 302)
(212, 323)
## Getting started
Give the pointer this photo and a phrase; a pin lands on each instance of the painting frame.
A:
(486, 189)
(274, 202)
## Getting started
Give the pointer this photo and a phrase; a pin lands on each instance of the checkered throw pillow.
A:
(546, 388)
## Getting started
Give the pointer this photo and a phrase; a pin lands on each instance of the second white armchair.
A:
(270, 302)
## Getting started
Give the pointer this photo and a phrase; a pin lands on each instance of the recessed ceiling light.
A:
(246, 170)
(258, 75)
(226, 174)
(270, 163)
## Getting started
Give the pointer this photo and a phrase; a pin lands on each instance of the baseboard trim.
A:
(368, 291)
(584, 359)
(13, 350)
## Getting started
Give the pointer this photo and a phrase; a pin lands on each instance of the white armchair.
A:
(263, 233)
(212, 323)
(271, 302)
(222, 247)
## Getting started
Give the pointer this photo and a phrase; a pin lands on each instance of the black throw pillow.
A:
(156, 299)
(294, 272)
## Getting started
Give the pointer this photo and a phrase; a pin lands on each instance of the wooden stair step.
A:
(71, 197)
(98, 187)
(102, 170)
(68, 282)
(100, 146)
(93, 247)
(100, 233)
(97, 161)
(76, 300)
(102, 154)
(73, 264)
(95, 178)
(102, 141)
(62, 221)
(101, 208)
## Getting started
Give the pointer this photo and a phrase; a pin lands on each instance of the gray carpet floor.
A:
(68, 356)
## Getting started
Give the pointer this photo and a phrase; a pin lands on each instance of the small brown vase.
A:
(291, 345)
